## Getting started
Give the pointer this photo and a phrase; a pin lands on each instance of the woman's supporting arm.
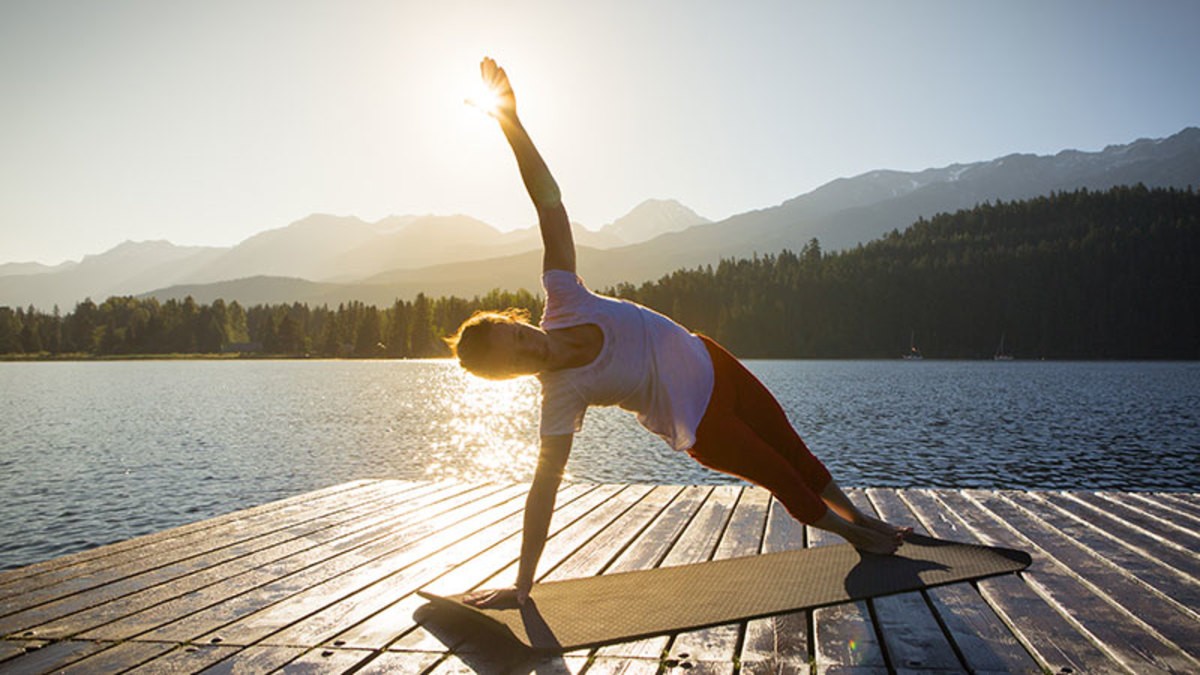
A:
(557, 241)
(539, 508)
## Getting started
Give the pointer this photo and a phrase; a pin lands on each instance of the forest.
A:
(1073, 275)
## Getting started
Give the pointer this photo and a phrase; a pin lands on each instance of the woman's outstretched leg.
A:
(838, 502)
(745, 432)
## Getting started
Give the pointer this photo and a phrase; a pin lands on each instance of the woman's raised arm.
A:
(557, 241)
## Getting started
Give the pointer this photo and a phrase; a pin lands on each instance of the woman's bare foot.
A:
(839, 503)
(881, 526)
(870, 540)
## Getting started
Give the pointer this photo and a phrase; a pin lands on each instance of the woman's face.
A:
(519, 348)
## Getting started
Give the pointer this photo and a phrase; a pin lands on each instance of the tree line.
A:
(1072, 275)
(1084, 274)
(122, 326)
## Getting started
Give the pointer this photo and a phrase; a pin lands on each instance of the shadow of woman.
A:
(876, 575)
(487, 646)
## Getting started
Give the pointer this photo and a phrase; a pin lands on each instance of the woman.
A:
(593, 350)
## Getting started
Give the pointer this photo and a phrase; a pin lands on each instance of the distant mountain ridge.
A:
(324, 256)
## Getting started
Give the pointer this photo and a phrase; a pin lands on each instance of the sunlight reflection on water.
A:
(483, 430)
(94, 452)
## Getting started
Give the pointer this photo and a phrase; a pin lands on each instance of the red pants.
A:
(744, 432)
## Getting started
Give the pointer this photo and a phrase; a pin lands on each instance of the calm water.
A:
(99, 452)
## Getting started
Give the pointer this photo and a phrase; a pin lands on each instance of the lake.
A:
(96, 452)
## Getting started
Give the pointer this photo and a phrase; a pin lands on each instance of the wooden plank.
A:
(13, 648)
(115, 561)
(364, 590)
(288, 505)
(383, 629)
(247, 617)
(312, 564)
(78, 612)
(696, 542)
(1115, 585)
(118, 658)
(604, 665)
(1111, 629)
(1149, 559)
(912, 635)
(251, 660)
(387, 663)
(323, 661)
(653, 545)
(596, 556)
(716, 647)
(66, 580)
(566, 664)
(1057, 643)
(599, 552)
(1177, 527)
(980, 637)
(1166, 513)
(45, 658)
(702, 535)
(1170, 545)
(845, 639)
(99, 609)
(1172, 626)
(778, 644)
(1188, 503)
(648, 550)
(485, 654)
(335, 618)
(184, 659)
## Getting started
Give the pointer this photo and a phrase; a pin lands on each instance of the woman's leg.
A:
(745, 432)
(837, 501)
(726, 444)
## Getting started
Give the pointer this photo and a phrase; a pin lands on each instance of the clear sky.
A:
(205, 122)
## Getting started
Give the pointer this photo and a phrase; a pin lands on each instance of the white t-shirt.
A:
(649, 365)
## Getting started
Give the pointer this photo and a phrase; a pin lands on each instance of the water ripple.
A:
(99, 452)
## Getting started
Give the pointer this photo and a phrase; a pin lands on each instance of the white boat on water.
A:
(913, 354)
(1000, 354)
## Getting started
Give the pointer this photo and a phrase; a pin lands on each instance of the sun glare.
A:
(483, 98)
(489, 431)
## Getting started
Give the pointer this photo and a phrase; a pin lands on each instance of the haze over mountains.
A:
(330, 259)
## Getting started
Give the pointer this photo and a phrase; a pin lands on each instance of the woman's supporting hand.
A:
(498, 598)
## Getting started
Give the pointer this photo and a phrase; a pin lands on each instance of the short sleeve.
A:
(563, 408)
(566, 299)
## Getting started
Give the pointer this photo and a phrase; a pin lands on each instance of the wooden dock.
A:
(326, 581)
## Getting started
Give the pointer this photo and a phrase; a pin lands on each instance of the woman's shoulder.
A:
(561, 279)
(566, 287)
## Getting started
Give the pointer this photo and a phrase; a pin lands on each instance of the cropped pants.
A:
(744, 432)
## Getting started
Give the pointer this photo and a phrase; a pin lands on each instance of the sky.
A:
(205, 122)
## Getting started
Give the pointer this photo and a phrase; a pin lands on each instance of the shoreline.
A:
(246, 356)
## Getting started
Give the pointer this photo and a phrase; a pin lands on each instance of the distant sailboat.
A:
(913, 354)
(1002, 355)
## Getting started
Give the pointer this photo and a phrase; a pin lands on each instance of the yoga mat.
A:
(563, 615)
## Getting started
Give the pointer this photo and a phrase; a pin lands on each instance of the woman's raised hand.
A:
(504, 104)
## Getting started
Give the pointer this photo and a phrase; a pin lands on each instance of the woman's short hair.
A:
(471, 343)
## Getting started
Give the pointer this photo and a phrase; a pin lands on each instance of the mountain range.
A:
(330, 259)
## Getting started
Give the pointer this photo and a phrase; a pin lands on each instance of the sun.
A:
(484, 98)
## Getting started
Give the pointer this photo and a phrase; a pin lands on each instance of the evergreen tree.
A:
(367, 343)
(422, 336)
(398, 331)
